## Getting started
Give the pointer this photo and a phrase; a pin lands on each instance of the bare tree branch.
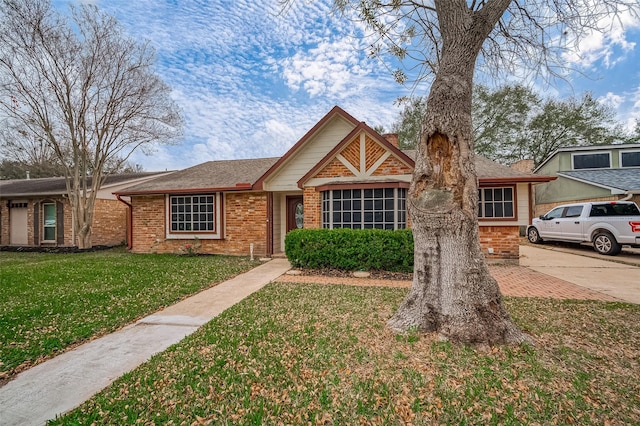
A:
(85, 89)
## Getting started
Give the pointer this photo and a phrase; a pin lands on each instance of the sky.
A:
(251, 78)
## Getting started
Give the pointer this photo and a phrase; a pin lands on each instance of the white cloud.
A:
(609, 45)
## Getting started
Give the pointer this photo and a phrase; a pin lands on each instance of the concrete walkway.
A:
(64, 382)
(621, 281)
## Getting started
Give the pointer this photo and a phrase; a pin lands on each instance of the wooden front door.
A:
(295, 213)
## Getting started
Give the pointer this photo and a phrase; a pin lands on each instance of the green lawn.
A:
(51, 301)
(311, 354)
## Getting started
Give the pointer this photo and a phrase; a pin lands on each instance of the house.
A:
(341, 173)
(589, 173)
(37, 212)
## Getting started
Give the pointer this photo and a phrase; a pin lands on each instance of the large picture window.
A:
(192, 214)
(380, 208)
(49, 222)
(496, 203)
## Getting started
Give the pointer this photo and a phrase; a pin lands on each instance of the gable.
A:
(308, 151)
(360, 157)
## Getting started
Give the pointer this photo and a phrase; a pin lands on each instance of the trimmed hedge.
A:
(351, 249)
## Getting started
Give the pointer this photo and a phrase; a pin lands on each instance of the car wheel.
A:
(605, 243)
(533, 235)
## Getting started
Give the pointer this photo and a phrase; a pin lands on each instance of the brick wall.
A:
(245, 216)
(334, 169)
(109, 223)
(4, 223)
(504, 240)
(312, 208)
(392, 167)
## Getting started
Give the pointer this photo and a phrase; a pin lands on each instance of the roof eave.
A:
(237, 188)
(515, 179)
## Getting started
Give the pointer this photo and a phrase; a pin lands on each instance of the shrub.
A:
(351, 249)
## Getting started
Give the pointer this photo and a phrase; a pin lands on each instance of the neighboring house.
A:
(589, 173)
(37, 212)
(342, 173)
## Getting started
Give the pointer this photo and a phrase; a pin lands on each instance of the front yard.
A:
(49, 302)
(321, 354)
(314, 354)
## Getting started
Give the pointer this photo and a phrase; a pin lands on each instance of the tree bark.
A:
(452, 293)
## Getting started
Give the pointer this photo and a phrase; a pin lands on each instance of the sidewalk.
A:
(64, 382)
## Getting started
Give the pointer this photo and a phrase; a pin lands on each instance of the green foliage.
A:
(513, 123)
(51, 301)
(351, 249)
(409, 123)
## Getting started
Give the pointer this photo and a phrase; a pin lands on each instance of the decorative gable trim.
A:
(368, 145)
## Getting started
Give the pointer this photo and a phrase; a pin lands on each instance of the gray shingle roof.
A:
(55, 185)
(489, 169)
(621, 179)
(212, 175)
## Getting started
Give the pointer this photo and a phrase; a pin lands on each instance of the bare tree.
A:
(83, 88)
(445, 40)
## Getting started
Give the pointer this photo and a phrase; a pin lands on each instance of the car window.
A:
(555, 213)
(573, 211)
(614, 209)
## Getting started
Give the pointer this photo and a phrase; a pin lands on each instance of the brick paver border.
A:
(517, 281)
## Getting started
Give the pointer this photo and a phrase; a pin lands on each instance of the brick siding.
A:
(245, 222)
(504, 240)
(109, 223)
(352, 153)
(392, 167)
(312, 208)
(334, 169)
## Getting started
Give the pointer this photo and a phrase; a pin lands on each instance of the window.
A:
(630, 159)
(573, 211)
(193, 214)
(496, 203)
(380, 208)
(614, 209)
(555, 213)
(591, 161)
(49, 221)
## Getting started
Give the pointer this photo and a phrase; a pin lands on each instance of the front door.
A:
(295, 213)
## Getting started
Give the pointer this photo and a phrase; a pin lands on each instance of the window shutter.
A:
(36, 224)
(60, 223)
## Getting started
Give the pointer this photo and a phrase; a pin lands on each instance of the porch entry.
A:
(295, 212)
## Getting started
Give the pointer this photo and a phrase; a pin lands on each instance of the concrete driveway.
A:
(590, 270)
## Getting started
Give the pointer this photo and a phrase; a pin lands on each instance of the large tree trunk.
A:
(453, 293)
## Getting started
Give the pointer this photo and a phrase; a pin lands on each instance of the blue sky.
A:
(251, 80)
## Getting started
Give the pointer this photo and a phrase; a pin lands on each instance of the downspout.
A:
(630, 195)
(130, 220)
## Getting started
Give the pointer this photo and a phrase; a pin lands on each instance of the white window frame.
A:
(628, 151)
(575, 154)
(399, 214)
(44, 222)
(216, 234)
(482, 202)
